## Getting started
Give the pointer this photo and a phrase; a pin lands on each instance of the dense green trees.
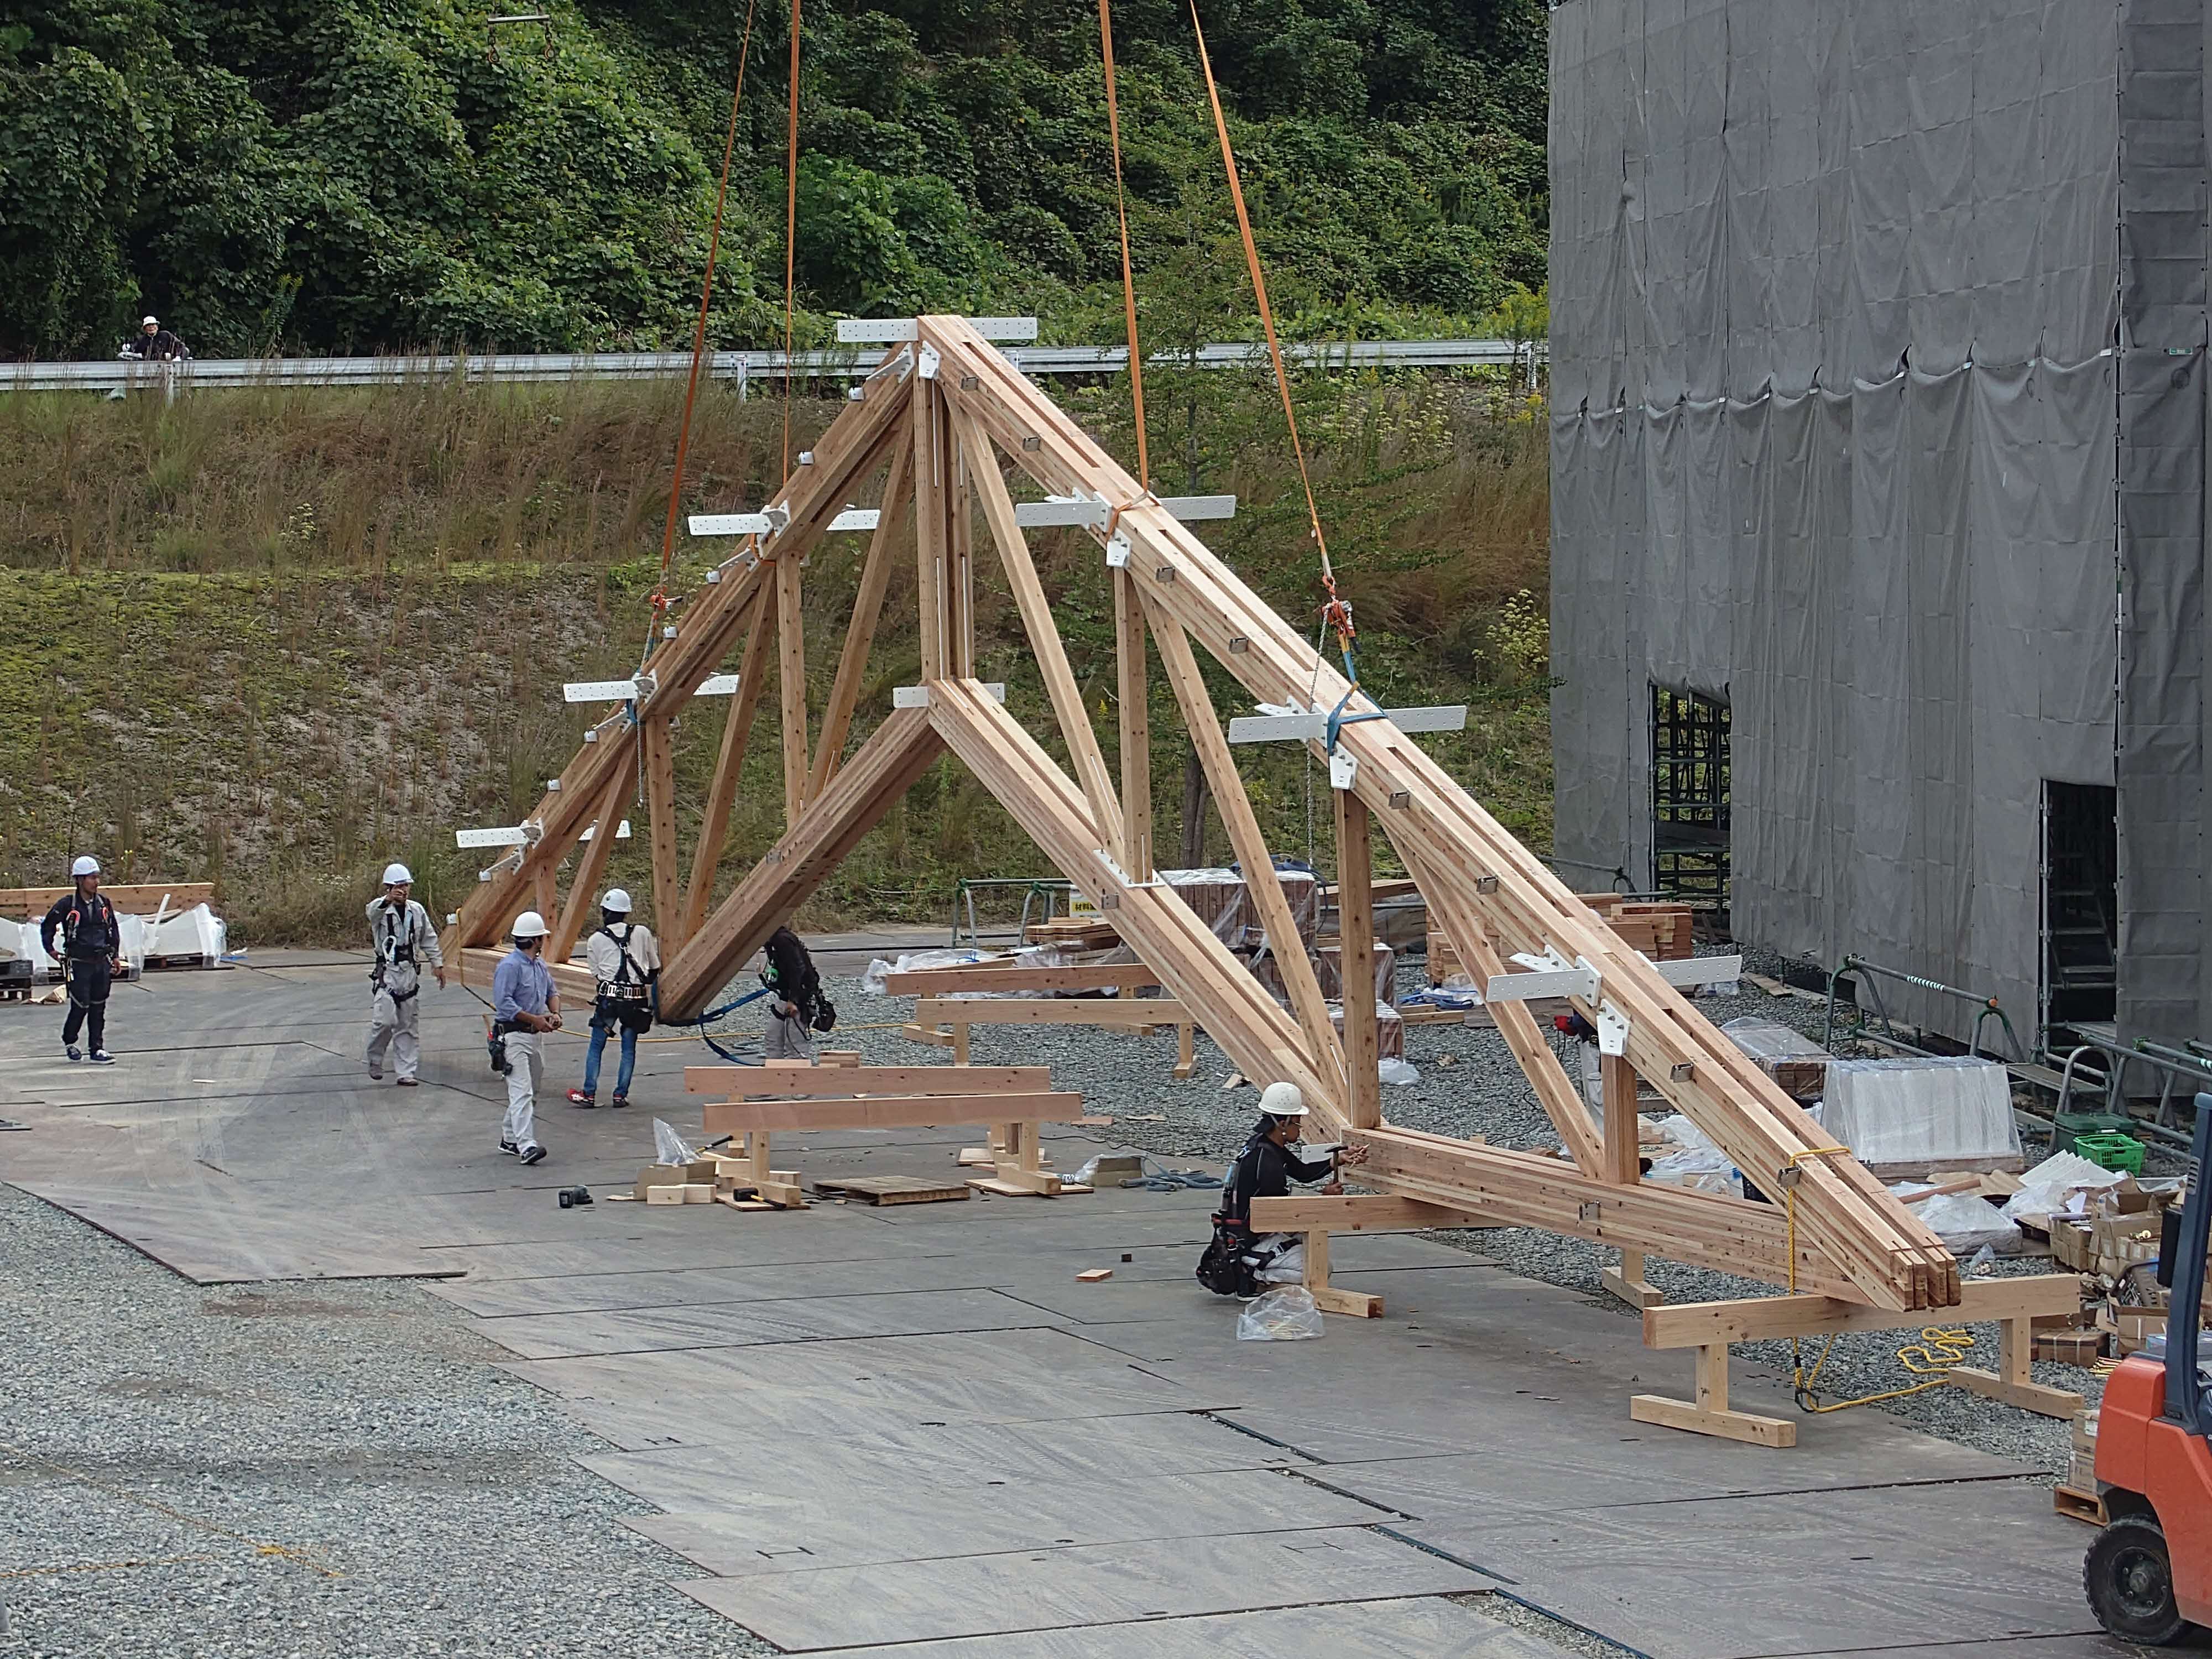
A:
(355, 174)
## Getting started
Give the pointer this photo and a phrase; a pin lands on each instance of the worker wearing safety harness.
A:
(626, 962)
(400, 932)
(525, 1006)
(91, 956)
(1236, 1262)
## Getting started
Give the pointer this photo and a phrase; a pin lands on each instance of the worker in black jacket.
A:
(1264, 1168)
(91, 955)
(155, 342)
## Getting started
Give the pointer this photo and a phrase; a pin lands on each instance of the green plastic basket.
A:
(2070, 1128)
(2111, 1152)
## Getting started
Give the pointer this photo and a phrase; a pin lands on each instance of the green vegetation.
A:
(342, 175)
(275, 638)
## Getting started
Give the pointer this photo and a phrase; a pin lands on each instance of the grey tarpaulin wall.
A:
(1840, 435)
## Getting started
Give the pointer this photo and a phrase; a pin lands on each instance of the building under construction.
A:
(1879, 465)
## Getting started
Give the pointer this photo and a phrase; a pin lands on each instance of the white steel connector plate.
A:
(890, 330)
(598, 691)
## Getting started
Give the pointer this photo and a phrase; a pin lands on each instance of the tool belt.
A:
(630, 1006)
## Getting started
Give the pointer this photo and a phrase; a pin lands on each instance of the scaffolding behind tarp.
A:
(1841, 441)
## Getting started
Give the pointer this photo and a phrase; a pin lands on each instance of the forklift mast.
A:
(2185, 1401)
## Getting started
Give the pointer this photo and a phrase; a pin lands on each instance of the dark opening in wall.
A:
(1690, 799)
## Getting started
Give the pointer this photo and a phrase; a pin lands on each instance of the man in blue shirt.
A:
(524, 1007)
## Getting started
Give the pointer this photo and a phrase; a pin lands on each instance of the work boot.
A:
(409, 1083)
(620, 1100)
(376, 1074)
(533, 1154)
(579, 1099)
(101, 1057)
(72, 1051)
(509, 1148)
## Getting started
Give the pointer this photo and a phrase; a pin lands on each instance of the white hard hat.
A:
(87, 865)
(150, 322)
(617, 898)
(529, 925)
(396, 875)
(1282, 1100)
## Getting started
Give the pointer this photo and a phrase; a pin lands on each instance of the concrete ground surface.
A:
(392, 1398)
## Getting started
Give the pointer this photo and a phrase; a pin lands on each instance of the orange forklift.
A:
(2150, 1573)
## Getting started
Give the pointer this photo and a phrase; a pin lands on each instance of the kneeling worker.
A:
(1264, 1168)
(400, 931)
(526, 1006)
(626, 962)
(91, 955)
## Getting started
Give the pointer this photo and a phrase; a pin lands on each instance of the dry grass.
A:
(275, 638)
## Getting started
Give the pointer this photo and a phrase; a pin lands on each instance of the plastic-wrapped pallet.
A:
(1911, 1115)
(1798, 1064)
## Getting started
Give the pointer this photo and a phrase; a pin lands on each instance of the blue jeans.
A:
(598, 1046)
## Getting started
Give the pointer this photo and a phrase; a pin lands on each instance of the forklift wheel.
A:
(2129, 1581)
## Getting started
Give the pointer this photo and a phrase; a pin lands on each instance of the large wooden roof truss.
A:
(941, 420)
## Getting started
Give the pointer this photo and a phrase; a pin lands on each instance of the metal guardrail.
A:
(124, 374)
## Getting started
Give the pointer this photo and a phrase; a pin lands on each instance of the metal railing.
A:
(125, 375)
(1867, 972)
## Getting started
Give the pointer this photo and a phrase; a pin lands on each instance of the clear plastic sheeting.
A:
(914, 962)
(1940, 1113)
(1965, 1221)
(1285, 1314)
(1833, 291)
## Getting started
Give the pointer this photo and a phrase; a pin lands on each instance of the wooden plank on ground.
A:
(740, 1081)
(724, 1117)
(892, 1189)
(990, 976)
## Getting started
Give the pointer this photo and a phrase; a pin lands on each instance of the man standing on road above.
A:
(626, 962)
(525, 1006)
(91, 956)
(399, 930)
(155, 343)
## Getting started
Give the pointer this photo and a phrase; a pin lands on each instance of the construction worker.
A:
(91, 956)
(1235, 1260)
(399, 930)
(526, 1006)
(154, 342)
(796, 1007)
(626, 962)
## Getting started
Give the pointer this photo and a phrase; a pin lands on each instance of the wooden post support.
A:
(660, 808)
(1133, 686)
(1624, 1164)
(930, 489)
(1355, 902)
(1710, 1413)
(2013, 1382)
(791, 684)
(722, 793)
(590, 865)
(1186, 1066)
(1356, 1305)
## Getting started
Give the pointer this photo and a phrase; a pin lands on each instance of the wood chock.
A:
(948, 434)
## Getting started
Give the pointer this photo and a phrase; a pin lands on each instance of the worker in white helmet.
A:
(1238, 1261)
(91, 955)
(400, 934)
(626, 962)
(526, 1006)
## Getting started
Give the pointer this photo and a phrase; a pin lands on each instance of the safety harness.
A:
(628, 996)
(395, 943)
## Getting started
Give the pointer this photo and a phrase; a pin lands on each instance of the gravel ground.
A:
(1470, 1083)
(157, 1437)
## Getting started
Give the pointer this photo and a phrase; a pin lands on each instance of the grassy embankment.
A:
(275, 638)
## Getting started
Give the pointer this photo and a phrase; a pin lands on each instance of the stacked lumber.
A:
(1074, 932)
(759, 1101)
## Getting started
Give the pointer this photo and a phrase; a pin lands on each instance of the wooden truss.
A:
(941, 420)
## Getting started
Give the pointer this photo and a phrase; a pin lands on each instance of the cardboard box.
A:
(2083, 1473)
(2070, 1346)
(2133, 1328)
